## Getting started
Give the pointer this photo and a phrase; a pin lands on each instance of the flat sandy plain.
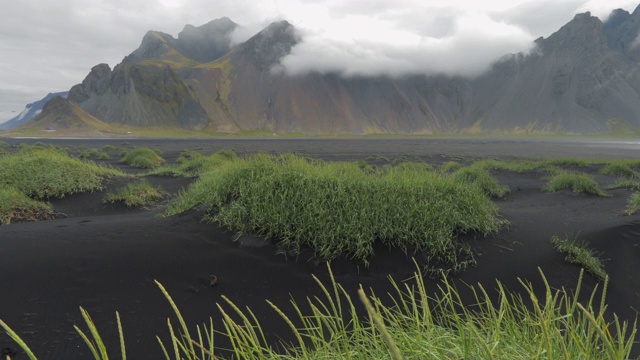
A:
(105, 257)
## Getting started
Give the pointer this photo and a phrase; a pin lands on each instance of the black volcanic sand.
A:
(104, 257)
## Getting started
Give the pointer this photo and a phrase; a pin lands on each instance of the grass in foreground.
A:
(336, 208)
(416, 326)
(143, 158)
(136, 194)
(41, 172)
(17, 207)
(579, 253)
(579, 183)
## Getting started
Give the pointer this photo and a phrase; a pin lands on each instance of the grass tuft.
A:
(15, 206)
(633, 204)
(579, 253)
(579, 183)
(619, 169)
(477, 176)
(143, 158)
(42, 172)
(136, 194)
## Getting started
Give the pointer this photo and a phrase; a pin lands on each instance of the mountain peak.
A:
(583, 33)
(266, 48)
(207, 42)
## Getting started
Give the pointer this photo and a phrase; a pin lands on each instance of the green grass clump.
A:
(44, 172)
(501, 325)
(336, 208)
(136, 194)
(94, 153)
(477, 176)
(579, 183)
(625, 183)
(450, 166)
(195, 164)
(4, 144)
(143, 158)
(110, 148)
(619, 169)
(579, 253)
(15, 206)
(633, 204)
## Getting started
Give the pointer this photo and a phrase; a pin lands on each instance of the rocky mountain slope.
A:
(584, 78)
(30, 111)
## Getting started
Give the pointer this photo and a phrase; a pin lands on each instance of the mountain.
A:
(61, 116)
(582, 79)
(30, 111)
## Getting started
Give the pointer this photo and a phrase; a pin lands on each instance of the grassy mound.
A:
(336, 208)
(46, 172)
(17, 207)
(143, 158)
(579, 183)
(136, 194)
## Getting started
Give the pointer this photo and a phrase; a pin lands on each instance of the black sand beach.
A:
(105, 257)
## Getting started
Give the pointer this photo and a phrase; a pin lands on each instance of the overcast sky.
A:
(48, 46)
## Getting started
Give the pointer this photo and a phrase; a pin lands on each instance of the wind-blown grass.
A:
(579, 253)
(626, 183)
(194, 164)
(143, 158)
(619, 169)
(137, 194)
(15, 206)
(412, 325)
(477, 176)
(41, 172)
(633, 204)
(336, 208)
(579, 183)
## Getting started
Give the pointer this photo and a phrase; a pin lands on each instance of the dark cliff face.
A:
(140, 95)
(577, 80)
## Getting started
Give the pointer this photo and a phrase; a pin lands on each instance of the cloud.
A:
(456, 42)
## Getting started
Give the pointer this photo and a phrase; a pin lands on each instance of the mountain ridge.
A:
(582, 79)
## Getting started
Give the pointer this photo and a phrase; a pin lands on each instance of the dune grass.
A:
(409, 323)
(478, 176)
(137, 194)
(450, 166)
(15, 206)
(619, 169)
(626, 183)
(142, 157)
(94, 153)
(633, 204)
(194, 164)
(43, 172)
(579, 253)
(579, 183)
(336, 208)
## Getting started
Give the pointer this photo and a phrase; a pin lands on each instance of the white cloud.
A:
(362, 45)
